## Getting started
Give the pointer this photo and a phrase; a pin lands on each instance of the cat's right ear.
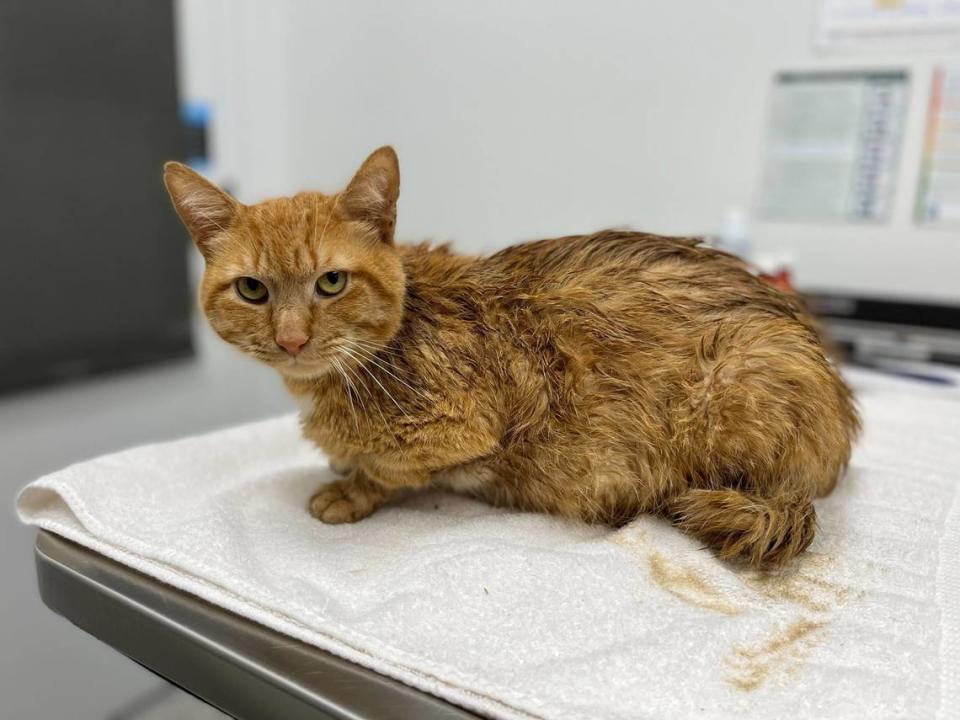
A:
(371, 197)
(205, 209)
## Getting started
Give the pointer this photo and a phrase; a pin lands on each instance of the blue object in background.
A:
(195, 119)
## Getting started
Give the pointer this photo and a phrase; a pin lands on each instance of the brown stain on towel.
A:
(753, 665)
(800, 587)
(679, 580)
(800, 584)
(688, 585)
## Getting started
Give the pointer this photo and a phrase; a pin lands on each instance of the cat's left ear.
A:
(206, 210)
(371, 197)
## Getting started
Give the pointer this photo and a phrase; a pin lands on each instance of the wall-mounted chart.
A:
(938, 198)
(888, 24)
(833, 146)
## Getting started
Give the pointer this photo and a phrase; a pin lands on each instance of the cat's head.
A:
(293, 281)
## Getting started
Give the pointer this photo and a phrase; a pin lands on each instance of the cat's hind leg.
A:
(766, 427)
(736, 524)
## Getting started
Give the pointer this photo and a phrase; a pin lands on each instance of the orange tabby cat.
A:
(596, 376)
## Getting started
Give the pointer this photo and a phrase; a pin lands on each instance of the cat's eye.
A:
(331, 283)
(252, 290)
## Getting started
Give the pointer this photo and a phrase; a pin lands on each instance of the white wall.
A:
(517, 120)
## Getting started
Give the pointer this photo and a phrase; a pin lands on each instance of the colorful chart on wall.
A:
(833, 146)
(888, 24)
(938, 198)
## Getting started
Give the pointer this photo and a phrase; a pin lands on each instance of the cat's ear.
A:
(205, 209)
(371, 197)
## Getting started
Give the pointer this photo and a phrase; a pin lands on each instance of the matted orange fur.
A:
(595, 376)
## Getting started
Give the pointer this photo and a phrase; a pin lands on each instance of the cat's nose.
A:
(292, 342)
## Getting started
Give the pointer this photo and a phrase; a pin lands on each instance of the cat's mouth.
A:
(302, 366)
(299, 366)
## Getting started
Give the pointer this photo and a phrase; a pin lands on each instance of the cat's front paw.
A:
(346, 501)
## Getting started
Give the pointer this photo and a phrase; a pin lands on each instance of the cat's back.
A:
(566, 261)
(621, 270)
(557, 260)
(656, 285)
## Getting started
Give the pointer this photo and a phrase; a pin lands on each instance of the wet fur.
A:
(595, 376)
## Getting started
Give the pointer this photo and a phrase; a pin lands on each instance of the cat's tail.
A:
(757, 529)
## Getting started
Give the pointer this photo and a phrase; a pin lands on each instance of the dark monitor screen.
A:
(92, 259)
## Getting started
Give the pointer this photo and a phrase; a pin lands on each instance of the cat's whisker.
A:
(377, 381)
(348, 362)
(371, 343)
(383, 367)
(316, 215)
(356, 392)
(375, 351)
(363, 382)
(416, 391)
(375, 348)
(359, 360)
(323, 233)
(378, 353)
(350, 391)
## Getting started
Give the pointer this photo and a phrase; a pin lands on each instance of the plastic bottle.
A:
(734, 236)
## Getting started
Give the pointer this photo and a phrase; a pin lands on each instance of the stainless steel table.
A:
(244, 669)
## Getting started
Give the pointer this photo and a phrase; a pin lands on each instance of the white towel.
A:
(520, 615)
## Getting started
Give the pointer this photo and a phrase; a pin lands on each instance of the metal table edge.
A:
(240, 667)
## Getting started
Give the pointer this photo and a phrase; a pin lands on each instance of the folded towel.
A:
(518, 615)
